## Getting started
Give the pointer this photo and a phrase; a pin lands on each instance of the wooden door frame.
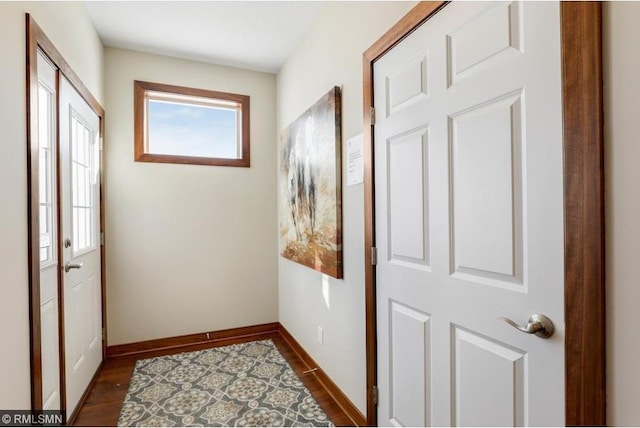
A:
(36, 40)
(581, 39)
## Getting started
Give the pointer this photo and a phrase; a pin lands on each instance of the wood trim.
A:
(56, 57)
(103, 243)
(412, 20)
(36, 38)
(138, 122)
(140, 89)
(190, 339)
(584, 205)
(584, 297)
(352, 412)
(35, 333)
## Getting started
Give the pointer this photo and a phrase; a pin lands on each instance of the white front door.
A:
(469, 218)
(80, 207)
(48, 231)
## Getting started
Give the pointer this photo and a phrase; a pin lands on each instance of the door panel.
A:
(406, 85)
(50, 357)
(80, 169)
(409, 355)
(486, 191)
(491, 36)
(408, 193)
(469, 218)
(480, 362)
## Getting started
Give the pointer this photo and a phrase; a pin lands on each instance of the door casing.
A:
(583, 146)
(37, 39)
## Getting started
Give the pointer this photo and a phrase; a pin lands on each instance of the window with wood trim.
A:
(174, 124)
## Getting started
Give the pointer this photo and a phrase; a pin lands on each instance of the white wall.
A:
(330, 54)
(71, 31)
(622, 156)
(190, 248)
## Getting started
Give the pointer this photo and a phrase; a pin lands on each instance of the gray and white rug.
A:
(248, 384)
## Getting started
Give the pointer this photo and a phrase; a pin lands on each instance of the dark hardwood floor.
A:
(102, 406)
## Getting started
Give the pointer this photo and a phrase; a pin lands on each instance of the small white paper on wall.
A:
(355, 160)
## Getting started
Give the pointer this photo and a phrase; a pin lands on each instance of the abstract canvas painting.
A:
(310, 186)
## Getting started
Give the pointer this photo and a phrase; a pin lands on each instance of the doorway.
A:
(66, 257)
(580, 251)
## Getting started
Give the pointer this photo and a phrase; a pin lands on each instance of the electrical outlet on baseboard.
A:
(320, 335)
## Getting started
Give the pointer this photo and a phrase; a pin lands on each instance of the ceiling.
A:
(256, 35)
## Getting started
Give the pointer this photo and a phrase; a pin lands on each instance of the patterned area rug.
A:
(249, 384)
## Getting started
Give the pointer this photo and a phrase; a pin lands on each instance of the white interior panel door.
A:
(47, 189)
(80, 199)
(469, 218)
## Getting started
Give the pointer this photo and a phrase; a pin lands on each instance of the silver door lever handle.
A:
(68, 266)
(538, 324)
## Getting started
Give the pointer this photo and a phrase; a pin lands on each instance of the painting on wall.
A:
(310, 187)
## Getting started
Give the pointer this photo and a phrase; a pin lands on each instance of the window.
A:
(46, 168)
(174, 124)
(83, 184)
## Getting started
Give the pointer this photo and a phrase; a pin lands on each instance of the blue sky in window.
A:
(191, 130)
